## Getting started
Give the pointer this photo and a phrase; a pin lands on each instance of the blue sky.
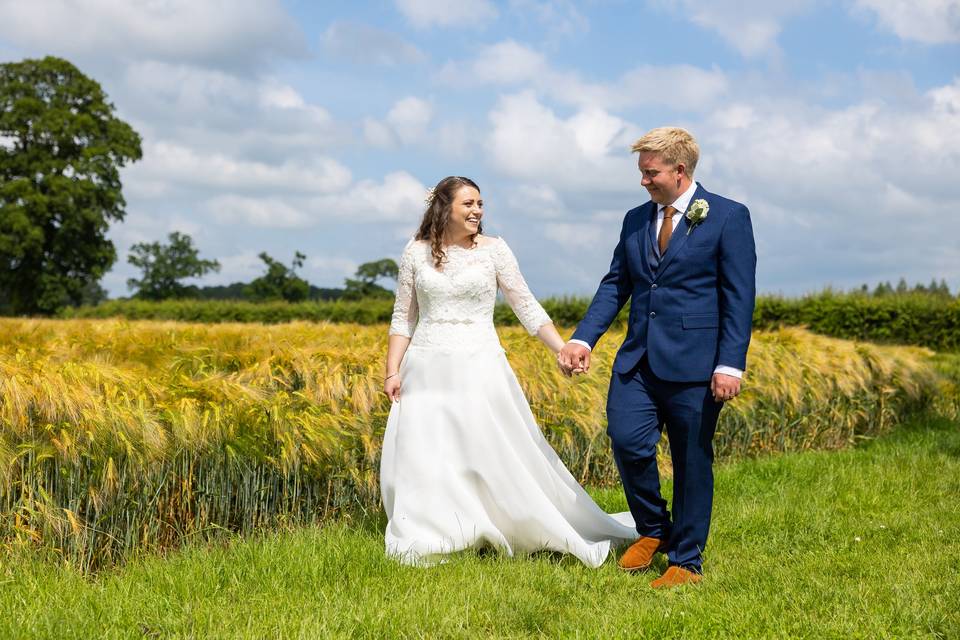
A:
(283, 126)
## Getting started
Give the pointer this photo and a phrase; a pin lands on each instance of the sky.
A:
(285, 126)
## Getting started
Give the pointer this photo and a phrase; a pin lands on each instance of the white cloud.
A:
(536, 201)
(409, 118)
(170, 163)
(280, 96)
(510, 63)
(364, 44)
(406, 123)
(398, 197)
(844, 195)
(447, 13)
(506, 62)
(798, 150)
(378, 134)
(749, 26)
(589, 149)
(239, 34)
(558, 17)
(457, 139)
(694, 88)
(332, 267)
(577, 235)
(189, 226)
(838, 195)
(258, 212)
(217, 110)
(238, 267)
(925, 21)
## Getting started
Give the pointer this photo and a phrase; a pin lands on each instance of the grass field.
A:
(859, 543)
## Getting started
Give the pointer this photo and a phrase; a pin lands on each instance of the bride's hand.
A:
(391, 387)
(573, 358)
(566, 370)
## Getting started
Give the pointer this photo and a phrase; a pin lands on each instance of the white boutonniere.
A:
(697, 213)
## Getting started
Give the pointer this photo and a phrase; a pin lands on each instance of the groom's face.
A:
(662, 181)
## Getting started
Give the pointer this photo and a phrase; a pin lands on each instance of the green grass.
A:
(861, 543)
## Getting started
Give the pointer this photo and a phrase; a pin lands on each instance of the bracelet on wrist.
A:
(391, 375)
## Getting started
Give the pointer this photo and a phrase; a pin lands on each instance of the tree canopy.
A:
(165, 265)
(279, 282)
(364, 285)
(61, 149)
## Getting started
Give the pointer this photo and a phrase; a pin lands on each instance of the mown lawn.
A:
(861, 543)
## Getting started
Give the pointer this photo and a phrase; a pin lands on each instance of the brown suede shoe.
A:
(674, 577)
(640, 554)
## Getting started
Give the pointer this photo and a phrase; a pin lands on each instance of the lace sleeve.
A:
(405, 310)
(515, 289)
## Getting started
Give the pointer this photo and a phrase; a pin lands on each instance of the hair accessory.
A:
(431, 194)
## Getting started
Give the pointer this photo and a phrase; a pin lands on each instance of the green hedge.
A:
(360, 312)
(566, 312)
(916, 319)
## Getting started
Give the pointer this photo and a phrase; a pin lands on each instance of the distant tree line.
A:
(939, 289)
(165, 266)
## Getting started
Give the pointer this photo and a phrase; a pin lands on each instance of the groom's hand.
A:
(573, 358)
(724, 387)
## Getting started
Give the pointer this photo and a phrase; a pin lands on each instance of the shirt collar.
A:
(683, 201)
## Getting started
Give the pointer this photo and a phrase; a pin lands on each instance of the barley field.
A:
(126, 437)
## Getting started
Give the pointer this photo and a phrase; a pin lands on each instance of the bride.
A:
(464, 464)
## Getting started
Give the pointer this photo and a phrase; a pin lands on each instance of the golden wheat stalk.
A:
(118, 435)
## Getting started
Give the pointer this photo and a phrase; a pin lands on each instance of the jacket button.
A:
(653, 286)
(653, 314)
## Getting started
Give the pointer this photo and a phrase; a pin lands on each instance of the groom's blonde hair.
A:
(675, 146)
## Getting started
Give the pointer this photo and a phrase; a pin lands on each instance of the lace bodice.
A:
(454, 307)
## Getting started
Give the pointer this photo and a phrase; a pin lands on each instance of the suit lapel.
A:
(680, 235)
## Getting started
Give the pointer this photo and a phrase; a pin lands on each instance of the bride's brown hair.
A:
(437, 216)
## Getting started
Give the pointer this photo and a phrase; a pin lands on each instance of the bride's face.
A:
(466, 210)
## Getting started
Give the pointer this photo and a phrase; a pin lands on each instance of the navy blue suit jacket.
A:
(691, 309)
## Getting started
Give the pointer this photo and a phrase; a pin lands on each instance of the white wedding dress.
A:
(464, 463)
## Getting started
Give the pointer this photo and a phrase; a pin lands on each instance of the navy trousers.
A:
(638, 406)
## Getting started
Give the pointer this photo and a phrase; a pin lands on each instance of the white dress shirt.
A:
(680, 204)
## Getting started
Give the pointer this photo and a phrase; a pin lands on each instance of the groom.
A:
(688, 262)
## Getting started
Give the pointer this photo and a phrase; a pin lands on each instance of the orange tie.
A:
(666, 229)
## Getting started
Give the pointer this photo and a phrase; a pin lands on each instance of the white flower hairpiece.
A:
(431, 194)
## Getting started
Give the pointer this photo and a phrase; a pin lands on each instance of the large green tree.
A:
(365, 284)
(279, 282)
(165, 265)
(61, 149)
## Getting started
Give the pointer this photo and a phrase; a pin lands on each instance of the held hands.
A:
(391, 387)
(573, 358)
(724, 387)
